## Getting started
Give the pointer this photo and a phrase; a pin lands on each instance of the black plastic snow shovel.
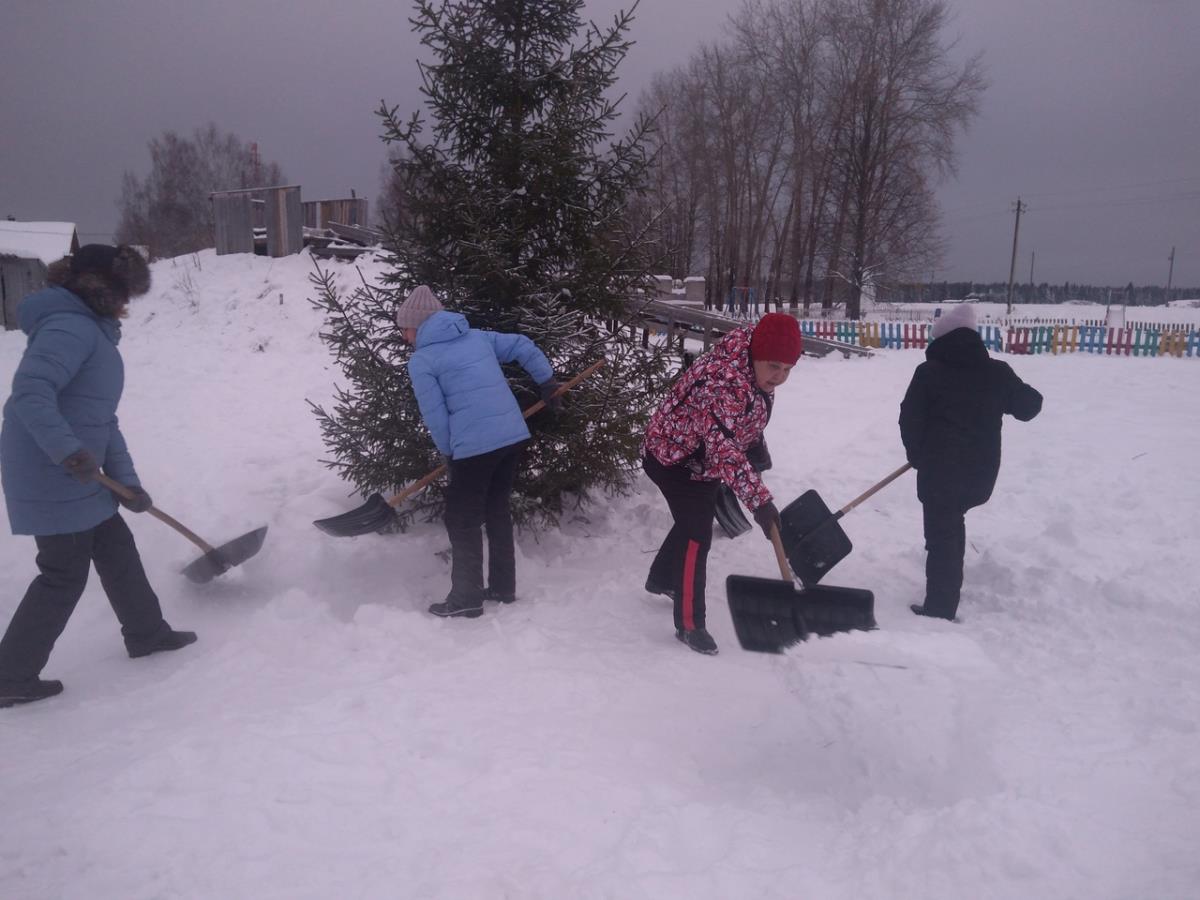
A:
(814, 539)
(378, 513)
(216, 560)
(766, 612)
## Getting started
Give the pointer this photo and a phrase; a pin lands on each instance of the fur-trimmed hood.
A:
(106, 292)
(52, 303)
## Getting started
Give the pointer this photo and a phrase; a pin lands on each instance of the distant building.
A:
(26, 250)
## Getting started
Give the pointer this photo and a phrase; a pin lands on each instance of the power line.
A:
(1116, 187)
(1130, 201)
(978, 218)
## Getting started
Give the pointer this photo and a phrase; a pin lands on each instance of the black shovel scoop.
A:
(767, 617)
(379, 512)
(216, 560)
(814, 539)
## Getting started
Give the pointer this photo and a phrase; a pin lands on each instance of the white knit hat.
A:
(960, 316)
(419, 306)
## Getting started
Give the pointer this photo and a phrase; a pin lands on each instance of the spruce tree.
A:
(518, 216)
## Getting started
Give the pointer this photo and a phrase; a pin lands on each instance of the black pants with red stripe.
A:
(682, 559)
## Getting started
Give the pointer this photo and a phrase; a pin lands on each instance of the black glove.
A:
(766, 516)
(140, 502)
(82, 466)
(547, 390)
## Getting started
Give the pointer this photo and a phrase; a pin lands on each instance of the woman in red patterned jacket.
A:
(697, 439)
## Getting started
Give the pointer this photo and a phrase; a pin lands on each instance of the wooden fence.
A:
(1133, 340)
(1146, 339)
(344, 211)
(1019, 337)
(886, 335)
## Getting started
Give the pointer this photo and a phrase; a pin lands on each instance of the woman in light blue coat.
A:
(59, 429)
(477, 425)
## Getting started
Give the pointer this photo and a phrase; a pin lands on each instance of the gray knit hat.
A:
(419, 306)
(960, 316)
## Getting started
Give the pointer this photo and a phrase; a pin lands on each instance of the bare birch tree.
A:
(803, 150)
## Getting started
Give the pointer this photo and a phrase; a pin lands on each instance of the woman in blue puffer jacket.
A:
(477, 425)
(60, 429)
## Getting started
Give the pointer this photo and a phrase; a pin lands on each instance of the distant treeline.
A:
(941, 291)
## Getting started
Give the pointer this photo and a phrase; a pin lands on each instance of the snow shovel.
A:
(815, 541)
(767, 617)
(728, 510)
(729, 513)
(377, 513)
(216, 560)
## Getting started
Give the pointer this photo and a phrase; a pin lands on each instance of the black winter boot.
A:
(166, 638)
(657, 587)
(499, 596)
(919, 609)
(28, 691)
(698, 639)
(467, 609)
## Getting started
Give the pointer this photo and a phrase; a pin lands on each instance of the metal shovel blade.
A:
(225, 557)
(729, 513)
(766, 617)
(812, 538)
(373, 515)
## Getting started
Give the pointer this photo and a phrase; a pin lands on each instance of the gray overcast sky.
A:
(1092, 114)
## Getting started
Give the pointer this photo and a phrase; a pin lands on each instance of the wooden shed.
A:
(319, 213)
(235, 213)
(26, 249)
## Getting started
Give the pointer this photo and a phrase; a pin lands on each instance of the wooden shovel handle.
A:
(121, 491)
(437, 473)
(870, 491)
(785, 571)
(564, 387)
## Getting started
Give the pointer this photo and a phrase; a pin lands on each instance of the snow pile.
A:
(328, 738)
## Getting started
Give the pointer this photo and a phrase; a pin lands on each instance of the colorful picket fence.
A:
(1136, 340)
(1133, 340)
(887, 335)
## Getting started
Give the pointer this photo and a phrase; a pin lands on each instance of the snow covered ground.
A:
(328, 738)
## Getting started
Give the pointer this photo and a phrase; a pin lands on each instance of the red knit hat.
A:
(776, 338)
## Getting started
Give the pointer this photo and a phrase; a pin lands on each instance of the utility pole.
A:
(1170, 273)
(1032, 257)
(1012, 267)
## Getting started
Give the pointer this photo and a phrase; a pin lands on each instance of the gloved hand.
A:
(547, 389)
(81, 465)
(141, 500)
(766, 516)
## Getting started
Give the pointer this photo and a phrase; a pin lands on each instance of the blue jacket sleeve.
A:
(118, 464)
(432, 402)
(52, 359)
(520, 349)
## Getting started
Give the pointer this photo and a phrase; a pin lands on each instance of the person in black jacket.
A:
(950, 424)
